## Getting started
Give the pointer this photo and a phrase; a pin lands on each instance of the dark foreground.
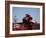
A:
(21, 26)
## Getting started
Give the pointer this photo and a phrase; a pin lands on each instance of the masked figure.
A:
(27, 21)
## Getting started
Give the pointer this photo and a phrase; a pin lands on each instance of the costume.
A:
(27, 21)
